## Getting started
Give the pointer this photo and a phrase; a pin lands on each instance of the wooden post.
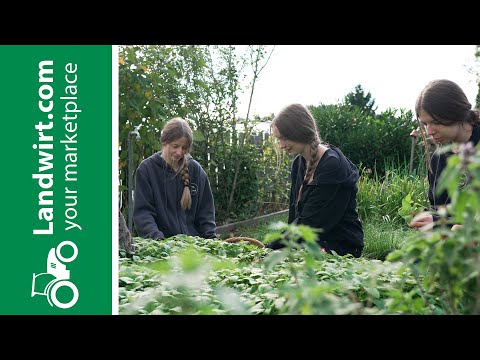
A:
(413, 135)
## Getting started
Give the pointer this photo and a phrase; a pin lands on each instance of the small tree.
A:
(358, 99)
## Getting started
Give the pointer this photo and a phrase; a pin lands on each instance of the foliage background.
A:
(247, 173)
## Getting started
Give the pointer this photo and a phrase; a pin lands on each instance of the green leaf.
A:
(279, 225)
(407, 202)
(460, 206)
(274, 258)
(307, 233)
(450, 177)
(126, 280)
(373, 292)
(198, 136)
(272, 236)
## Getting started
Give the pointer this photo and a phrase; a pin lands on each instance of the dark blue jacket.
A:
(157, 212)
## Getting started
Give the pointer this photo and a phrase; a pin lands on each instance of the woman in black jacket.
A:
(446, 116)
(324, 188)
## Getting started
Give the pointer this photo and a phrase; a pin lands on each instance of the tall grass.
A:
(381, 238)
(380, 198)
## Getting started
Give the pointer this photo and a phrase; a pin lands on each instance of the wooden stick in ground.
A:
(413, 135)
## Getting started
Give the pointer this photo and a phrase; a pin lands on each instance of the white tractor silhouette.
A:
(56, 277)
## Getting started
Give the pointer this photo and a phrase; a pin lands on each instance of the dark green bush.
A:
(373, 141)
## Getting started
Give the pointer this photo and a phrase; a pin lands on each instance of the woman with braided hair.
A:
(172, 191)
(323, 193)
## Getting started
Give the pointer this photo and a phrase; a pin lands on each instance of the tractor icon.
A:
(56, 277)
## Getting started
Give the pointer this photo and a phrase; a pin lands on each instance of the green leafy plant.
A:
(445, 263)
(409, 208)
(191, 275)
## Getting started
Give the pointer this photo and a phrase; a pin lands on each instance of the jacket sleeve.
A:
(144, 208)
(205, 214)
(325, 206)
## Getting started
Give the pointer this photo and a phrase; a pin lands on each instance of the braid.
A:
(311, 165)
(186, 200)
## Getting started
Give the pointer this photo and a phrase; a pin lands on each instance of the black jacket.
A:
(329, 202)
(439, 163)
(157, 212)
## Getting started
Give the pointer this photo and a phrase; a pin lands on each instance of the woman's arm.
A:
(144, 208)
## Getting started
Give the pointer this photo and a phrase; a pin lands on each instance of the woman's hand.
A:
(423, 221)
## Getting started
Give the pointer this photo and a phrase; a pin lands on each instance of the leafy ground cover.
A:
(189, 275)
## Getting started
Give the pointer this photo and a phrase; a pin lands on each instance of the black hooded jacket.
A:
(329, 202)
(439, 163)
(157, 212)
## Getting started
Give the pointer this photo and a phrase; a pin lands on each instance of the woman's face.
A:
(291, 147)
(175, 151)
(440, 133)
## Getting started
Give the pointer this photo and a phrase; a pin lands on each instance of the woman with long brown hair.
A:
(445, 116)
(323, 193)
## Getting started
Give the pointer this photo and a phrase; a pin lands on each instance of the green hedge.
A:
(373, 141)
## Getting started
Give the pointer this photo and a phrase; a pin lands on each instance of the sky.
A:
(324, 74)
